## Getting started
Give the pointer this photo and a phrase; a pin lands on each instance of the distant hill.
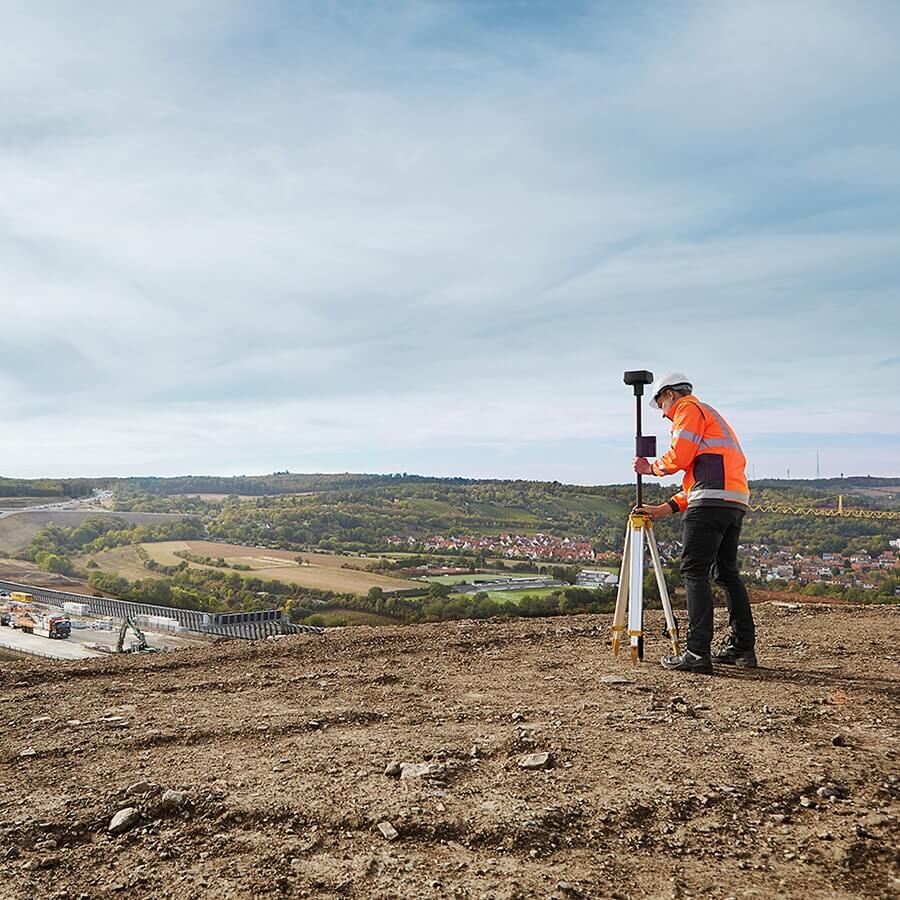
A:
(367, 511)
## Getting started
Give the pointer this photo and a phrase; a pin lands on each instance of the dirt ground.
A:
(778, 782)
(21, 570)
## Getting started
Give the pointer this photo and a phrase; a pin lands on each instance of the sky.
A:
(429, 237)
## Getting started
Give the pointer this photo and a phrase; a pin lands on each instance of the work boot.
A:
(730, 655)
(700, 663)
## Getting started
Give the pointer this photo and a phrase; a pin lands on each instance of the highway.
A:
(92, 503)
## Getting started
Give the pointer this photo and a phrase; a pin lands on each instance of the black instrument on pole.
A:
(628, 618)
(643, 445)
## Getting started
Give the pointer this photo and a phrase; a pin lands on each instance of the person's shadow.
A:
(811, 678)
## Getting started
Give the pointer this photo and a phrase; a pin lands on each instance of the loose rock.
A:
(174, 800)
(388, 832)
(535, 761)
(420, 770)
(124, 819)
(139, 787)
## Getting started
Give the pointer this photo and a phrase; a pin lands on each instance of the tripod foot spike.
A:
(634, 656)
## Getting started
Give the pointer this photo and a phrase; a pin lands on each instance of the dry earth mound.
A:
(488, 760)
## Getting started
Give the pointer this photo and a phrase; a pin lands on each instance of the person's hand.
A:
(641, 466)
(655, 512)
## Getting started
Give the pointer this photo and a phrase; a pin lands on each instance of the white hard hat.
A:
(672, 380)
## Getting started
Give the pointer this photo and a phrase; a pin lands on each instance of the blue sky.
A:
(430, 236)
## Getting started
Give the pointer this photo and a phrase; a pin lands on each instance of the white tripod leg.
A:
(622, 595)
(663, 590)
(636, 590)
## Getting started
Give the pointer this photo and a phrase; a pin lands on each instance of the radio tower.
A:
(817, 467)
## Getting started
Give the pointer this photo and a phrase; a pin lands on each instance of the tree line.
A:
(53, 547)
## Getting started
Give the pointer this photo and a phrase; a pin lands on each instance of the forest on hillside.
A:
(370, 512)
(367, 512)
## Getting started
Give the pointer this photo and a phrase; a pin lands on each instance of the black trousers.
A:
(710, 535)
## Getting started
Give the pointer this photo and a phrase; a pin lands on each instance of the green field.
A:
(432, 507)
(590, 503)
(503, 513)
(516, 596)
(471, 579)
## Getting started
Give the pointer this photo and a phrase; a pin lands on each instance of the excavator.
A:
(138, 646)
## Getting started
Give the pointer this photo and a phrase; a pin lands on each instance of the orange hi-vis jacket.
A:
(709, 453)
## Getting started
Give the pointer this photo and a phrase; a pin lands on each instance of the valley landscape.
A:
(496, 753)
(394, 400)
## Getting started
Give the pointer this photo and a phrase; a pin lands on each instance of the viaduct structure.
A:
(254, 625)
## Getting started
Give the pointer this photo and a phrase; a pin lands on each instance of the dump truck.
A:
(49, 625)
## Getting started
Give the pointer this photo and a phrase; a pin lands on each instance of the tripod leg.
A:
(622, 595)
(671, 624)
(636, 593)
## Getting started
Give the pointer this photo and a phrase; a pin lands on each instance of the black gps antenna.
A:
(643, 446)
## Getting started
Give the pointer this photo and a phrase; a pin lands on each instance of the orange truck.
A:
(49, 625)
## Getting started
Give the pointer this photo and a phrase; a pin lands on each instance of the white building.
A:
(594, 578)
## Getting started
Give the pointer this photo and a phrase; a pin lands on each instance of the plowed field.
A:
(322, 571)
(781, 781)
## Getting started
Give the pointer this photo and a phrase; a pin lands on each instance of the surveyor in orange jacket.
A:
(713, 499)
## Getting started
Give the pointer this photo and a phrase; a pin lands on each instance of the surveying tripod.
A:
(629, 614)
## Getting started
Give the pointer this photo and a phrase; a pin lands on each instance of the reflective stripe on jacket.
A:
(709, 453)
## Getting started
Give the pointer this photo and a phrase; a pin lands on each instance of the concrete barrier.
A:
(252, 625)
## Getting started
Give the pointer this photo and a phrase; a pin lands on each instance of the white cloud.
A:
(220, 221)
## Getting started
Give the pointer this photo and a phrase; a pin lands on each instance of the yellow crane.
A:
(827, 512)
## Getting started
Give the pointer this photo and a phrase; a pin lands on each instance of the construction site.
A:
(482, 760)
(62, 625)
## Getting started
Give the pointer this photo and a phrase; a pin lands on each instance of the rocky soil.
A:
(470, 760)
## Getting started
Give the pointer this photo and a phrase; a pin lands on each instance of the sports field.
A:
(472, 579)
(516, 596)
